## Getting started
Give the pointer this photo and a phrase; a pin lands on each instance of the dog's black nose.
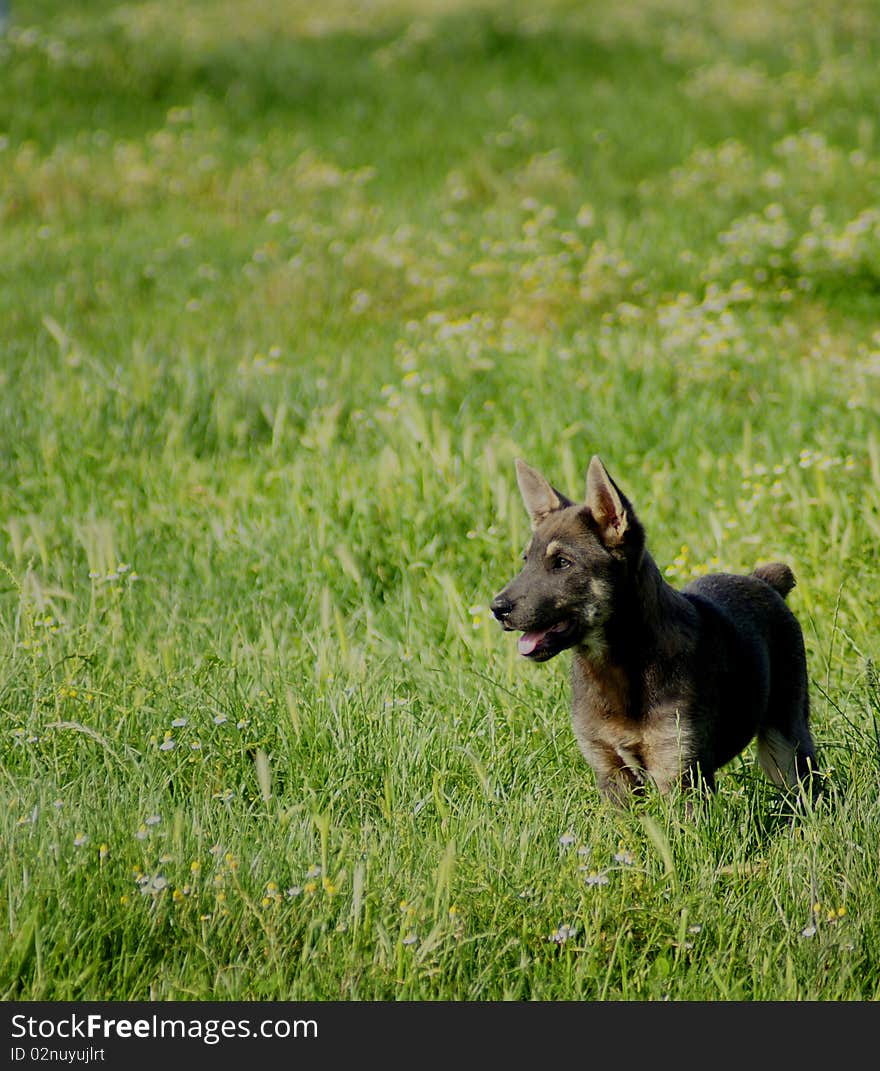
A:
(501, 606)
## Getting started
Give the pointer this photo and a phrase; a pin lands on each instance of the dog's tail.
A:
(777, 575)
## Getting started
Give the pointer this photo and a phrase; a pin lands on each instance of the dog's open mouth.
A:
(542, 644)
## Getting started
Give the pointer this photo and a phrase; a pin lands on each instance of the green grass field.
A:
(284, 290)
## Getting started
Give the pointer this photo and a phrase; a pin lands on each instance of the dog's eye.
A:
(561, 563)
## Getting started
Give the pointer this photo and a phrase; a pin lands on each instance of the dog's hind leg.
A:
(786, 752)
(778, 758)
(787, 755)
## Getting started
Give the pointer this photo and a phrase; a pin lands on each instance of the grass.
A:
(281, 298)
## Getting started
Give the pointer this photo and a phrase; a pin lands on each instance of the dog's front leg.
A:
(619, 776)
(622, 787)
(619, 782)
(696, 781)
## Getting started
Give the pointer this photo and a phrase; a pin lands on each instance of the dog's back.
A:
(752, 668)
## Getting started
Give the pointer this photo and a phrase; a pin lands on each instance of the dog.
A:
(667, 686)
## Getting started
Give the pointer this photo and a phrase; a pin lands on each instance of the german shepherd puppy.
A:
(667, 685)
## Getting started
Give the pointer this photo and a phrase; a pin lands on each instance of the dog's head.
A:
(575, 562)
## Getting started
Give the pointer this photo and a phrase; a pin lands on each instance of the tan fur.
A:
(625, 752)
(776, 758)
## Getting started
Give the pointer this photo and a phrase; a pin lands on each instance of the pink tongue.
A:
(529, 641)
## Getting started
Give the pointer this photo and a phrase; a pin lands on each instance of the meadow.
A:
(284, 290)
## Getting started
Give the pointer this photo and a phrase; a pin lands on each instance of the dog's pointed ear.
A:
(606, 505)
(539, 497)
